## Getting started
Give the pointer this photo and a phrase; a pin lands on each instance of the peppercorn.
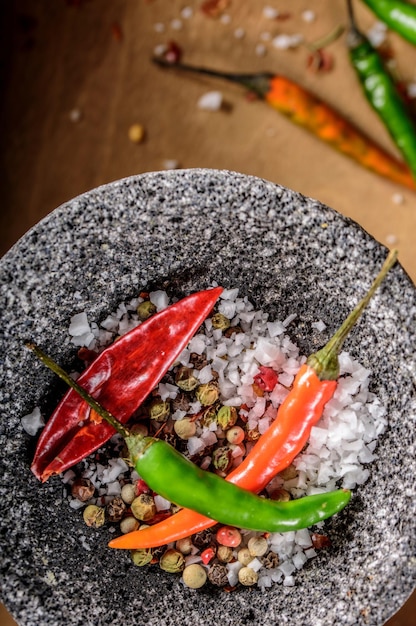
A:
(159, 410)
(129, 524)
(222, 458)
(185, 379)
(82, 489)
(194, 576)
(220, 322)
(270, 560)
(172, 561)
(136, 133)
(289, 472)
(280, 495)
(209, 416)
(229, 536)
(217, 575)
(184, 545)
(128, 493)
(139, 429)
(247, 576)
(185, 428)
(207, 394)
(141, 557)
(94, 516)
(143, 507)
(320, 541)
(115, 509)
(257, 546)
(252, 434)
(235, 435)
(203, 539)
(244, 556)
(224, 554)
(181, 402)
(231, 330)
(227, 417)
(145, 310)
(198, 360)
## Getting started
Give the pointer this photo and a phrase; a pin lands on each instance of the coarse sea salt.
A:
(340, 447)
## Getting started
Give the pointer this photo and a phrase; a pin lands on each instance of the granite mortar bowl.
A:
(288, 254)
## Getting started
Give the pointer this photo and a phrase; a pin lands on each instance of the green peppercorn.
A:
(194, 576)
(159, 410)
(143, 507)
(207, 394)
(145, 309)
(257, 546)
(172, 561)
(94, 516)
(185, 379)
(185, 428)
(220, 321)
(209, 416)
(141, 557)
(129, 524)
(227, 417)
(247, 576)
(222, 458)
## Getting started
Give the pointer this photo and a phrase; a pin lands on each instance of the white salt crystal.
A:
(308, 16)
(205, 374)
(161, 503)
(159, 299)
(197, 344)
(79, 325)
(32, 422)
(210, 101)
(195, 445)
(270, 13)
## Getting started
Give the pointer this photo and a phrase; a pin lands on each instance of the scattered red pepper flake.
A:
(207, 555)
(214, 8)
(320, 541)
(320, 61)
(116, 31)
(266, 379)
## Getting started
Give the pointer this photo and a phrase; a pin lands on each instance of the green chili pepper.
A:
(381, 93)
(175, 478)
(398, 15)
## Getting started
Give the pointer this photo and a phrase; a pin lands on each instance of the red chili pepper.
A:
(306, 110)
(314, 385)
(120, 378)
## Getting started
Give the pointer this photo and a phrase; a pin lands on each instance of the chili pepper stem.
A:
(325, 361)
(259, 83)
(57, 369)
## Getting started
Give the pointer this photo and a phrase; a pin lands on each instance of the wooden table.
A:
(77, 75)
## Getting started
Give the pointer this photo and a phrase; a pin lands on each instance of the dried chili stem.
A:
(325, 361)
(57, 369)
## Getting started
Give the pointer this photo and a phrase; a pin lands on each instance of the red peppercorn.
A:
(229, 536)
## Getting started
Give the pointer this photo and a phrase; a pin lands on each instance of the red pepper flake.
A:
(142, 487)
(214, 8)
(173, 53)
(320, 541)
(266, 379)
(87, 355)
(116, 31)
(320, 61)
(207, 555)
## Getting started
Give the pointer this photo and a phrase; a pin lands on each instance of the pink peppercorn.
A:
(228, 536)
(142, 487)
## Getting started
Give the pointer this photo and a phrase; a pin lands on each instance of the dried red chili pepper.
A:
(120, 378)
(314, 385)
(306, 110)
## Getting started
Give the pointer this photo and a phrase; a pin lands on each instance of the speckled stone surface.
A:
(288, 254)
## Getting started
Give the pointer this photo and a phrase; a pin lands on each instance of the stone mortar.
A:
(288, 254)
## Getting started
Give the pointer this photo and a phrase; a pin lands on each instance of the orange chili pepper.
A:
(314, 385)
(306, 110)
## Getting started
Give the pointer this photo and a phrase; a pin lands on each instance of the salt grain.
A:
(33, 422)
(210, 101)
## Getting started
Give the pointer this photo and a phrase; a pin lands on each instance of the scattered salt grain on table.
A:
(210, 101)
(33, 422)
